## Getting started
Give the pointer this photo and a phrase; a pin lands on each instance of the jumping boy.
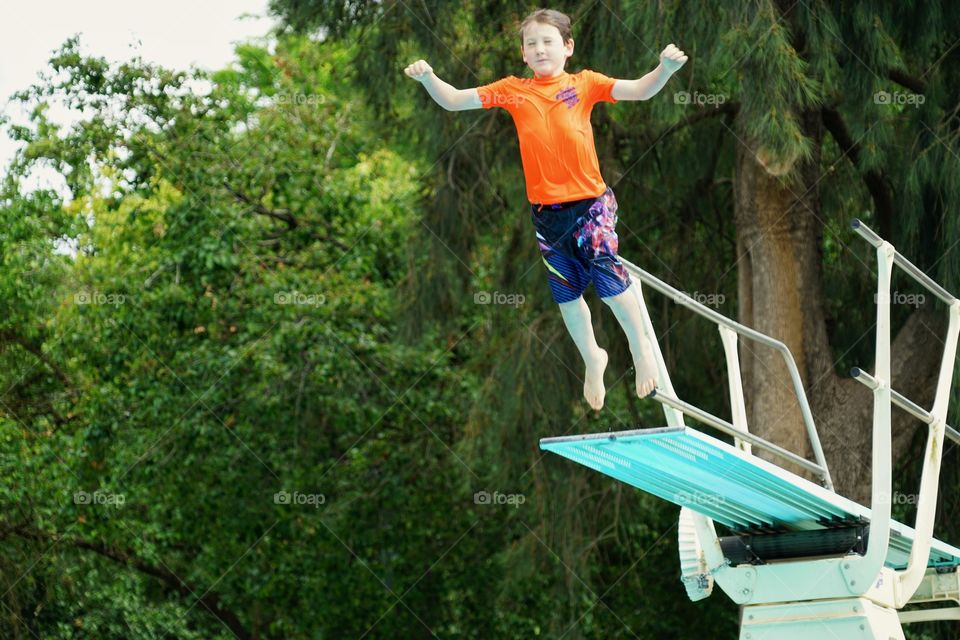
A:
(574, 212)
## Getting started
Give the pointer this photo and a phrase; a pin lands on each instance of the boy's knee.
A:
(617, 299)
(567, 304)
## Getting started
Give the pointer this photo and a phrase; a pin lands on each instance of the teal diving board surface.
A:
(739, 490)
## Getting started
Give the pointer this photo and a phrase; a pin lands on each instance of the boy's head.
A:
(546, 42)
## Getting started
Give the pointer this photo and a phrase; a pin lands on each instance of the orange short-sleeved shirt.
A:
(552, 116)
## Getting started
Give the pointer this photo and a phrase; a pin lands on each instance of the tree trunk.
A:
(779, 232)
(780, 291)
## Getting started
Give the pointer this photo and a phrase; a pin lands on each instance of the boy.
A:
(573, 211)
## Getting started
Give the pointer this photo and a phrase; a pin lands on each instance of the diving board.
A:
(804, 561)
(715, 479)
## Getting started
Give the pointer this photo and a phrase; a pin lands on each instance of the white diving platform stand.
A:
(804, 562)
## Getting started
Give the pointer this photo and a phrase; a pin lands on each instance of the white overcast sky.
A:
(174, 33)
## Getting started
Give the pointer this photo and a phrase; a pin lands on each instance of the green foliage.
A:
(223, 334)
(249, 314)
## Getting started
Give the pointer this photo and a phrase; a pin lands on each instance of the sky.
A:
(174, 33)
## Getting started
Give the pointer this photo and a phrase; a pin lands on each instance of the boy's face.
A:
(544, 51)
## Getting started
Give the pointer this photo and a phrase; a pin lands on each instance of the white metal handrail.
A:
(911, 269)
(881, 383)
(904, 403)
(820, 467)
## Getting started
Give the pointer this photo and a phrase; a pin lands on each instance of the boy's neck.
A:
(558, 74)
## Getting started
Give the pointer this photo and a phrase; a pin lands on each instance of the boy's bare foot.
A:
(646, 368)
(593, 389)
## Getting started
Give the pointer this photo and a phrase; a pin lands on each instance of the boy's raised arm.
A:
(671, 59)
(448, 97)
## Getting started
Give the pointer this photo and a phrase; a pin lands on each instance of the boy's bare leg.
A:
(627, 310)
(576, 315)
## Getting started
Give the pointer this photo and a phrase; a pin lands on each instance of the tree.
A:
(795, 117)
(193, 358)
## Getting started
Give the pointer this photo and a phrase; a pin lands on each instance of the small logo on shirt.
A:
(569, 96)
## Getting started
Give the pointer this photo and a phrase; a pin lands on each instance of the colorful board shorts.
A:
(578, 244)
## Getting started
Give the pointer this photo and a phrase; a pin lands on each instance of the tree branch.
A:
(844, 408)
(282, 215)
(210, 600)
(277, 214)
(727, 108)
(620, 132)
(36, 350)
(917, 85)
(876, 182)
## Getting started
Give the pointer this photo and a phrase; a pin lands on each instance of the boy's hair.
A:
(551, 17)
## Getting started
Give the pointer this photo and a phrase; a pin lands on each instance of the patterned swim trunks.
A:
(578, 244)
